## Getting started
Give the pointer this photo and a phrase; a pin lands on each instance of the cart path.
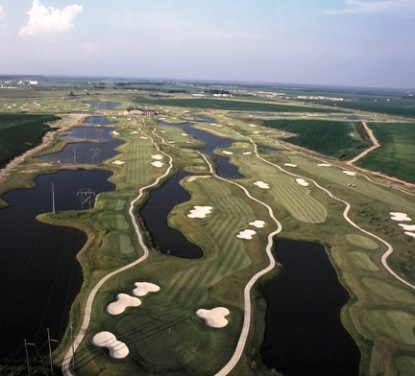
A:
(66, 364)
(374, 141)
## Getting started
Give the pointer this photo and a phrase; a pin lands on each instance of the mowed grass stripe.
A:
(286, 191)
(138, 156)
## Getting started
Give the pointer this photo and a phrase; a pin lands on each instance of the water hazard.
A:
(304, 333)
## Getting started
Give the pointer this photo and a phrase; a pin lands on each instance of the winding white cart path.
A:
(67, 362)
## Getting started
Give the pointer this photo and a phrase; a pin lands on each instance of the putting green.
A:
(363, 261)
(388, 291)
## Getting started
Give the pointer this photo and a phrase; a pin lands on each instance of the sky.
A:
(360, 43)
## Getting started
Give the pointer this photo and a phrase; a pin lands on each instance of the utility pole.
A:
(53, 198)
(95, 152)
(50, 354)
(27, 358)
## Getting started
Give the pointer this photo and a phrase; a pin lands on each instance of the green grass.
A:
(234, 105)
(19, 133)
(396, 155)
(339, 139)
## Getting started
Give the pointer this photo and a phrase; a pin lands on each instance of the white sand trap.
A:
(252, 125)
(351, 173)
(134, 132)
(184, 134)
(144, 137)
(400, 217)
(256, 132)
(410, 233)
(246, 234)
(407, 227)
(200, 212)
(171, 142)
(215, 318)
(158, 157)
(257, 224)
(324, 165)
(115, 132)
(247, 153)
(227, 152)
(302, 182)
(143, 288)
(123, 302)
(117, 162)
(290, 165)
(117, 349)
(261, 184)
(157, 164)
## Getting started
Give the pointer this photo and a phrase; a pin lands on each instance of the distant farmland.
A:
(339, 139)
(19, 133)
(396, 155)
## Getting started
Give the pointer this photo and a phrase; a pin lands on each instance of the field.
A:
(306, 194)
(339, 139)
(19, 133)
(395, 156)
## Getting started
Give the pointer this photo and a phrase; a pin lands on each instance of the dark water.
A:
(103, 105)
(39, 274)
(97, 134)
(304, 334)
(155, 212)
(87, 152)
(224, 168)
(98, 120)
(205, 119)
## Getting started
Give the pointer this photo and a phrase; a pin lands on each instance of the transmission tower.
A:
(86, 196)
(95, 154)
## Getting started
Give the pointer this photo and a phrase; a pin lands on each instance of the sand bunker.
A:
(143, 288)
(290, 165)
(157, 164)
(123, 302)
(351, 173)
(227, 152)
(215, 318)
(144, 137)
(252, 125)
(200, 212)
(247, 153)
(134, 132)
(324, 165)
(116, 133)
(257, 224)
(158, 157)
(117, 162)
(117, 349)
(246, 234)
(400, 217)
(261, 184)
(302, 182)
(407, 227)
(410, 233)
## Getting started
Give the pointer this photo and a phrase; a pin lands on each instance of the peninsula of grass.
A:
(20, 132)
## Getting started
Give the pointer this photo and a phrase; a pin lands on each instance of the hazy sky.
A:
(332, 42)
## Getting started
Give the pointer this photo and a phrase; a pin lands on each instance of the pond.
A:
(39, 274)
(304, 334)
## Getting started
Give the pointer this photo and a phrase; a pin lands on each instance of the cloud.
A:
(43, 19)
(403, 7)
(1, 13)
